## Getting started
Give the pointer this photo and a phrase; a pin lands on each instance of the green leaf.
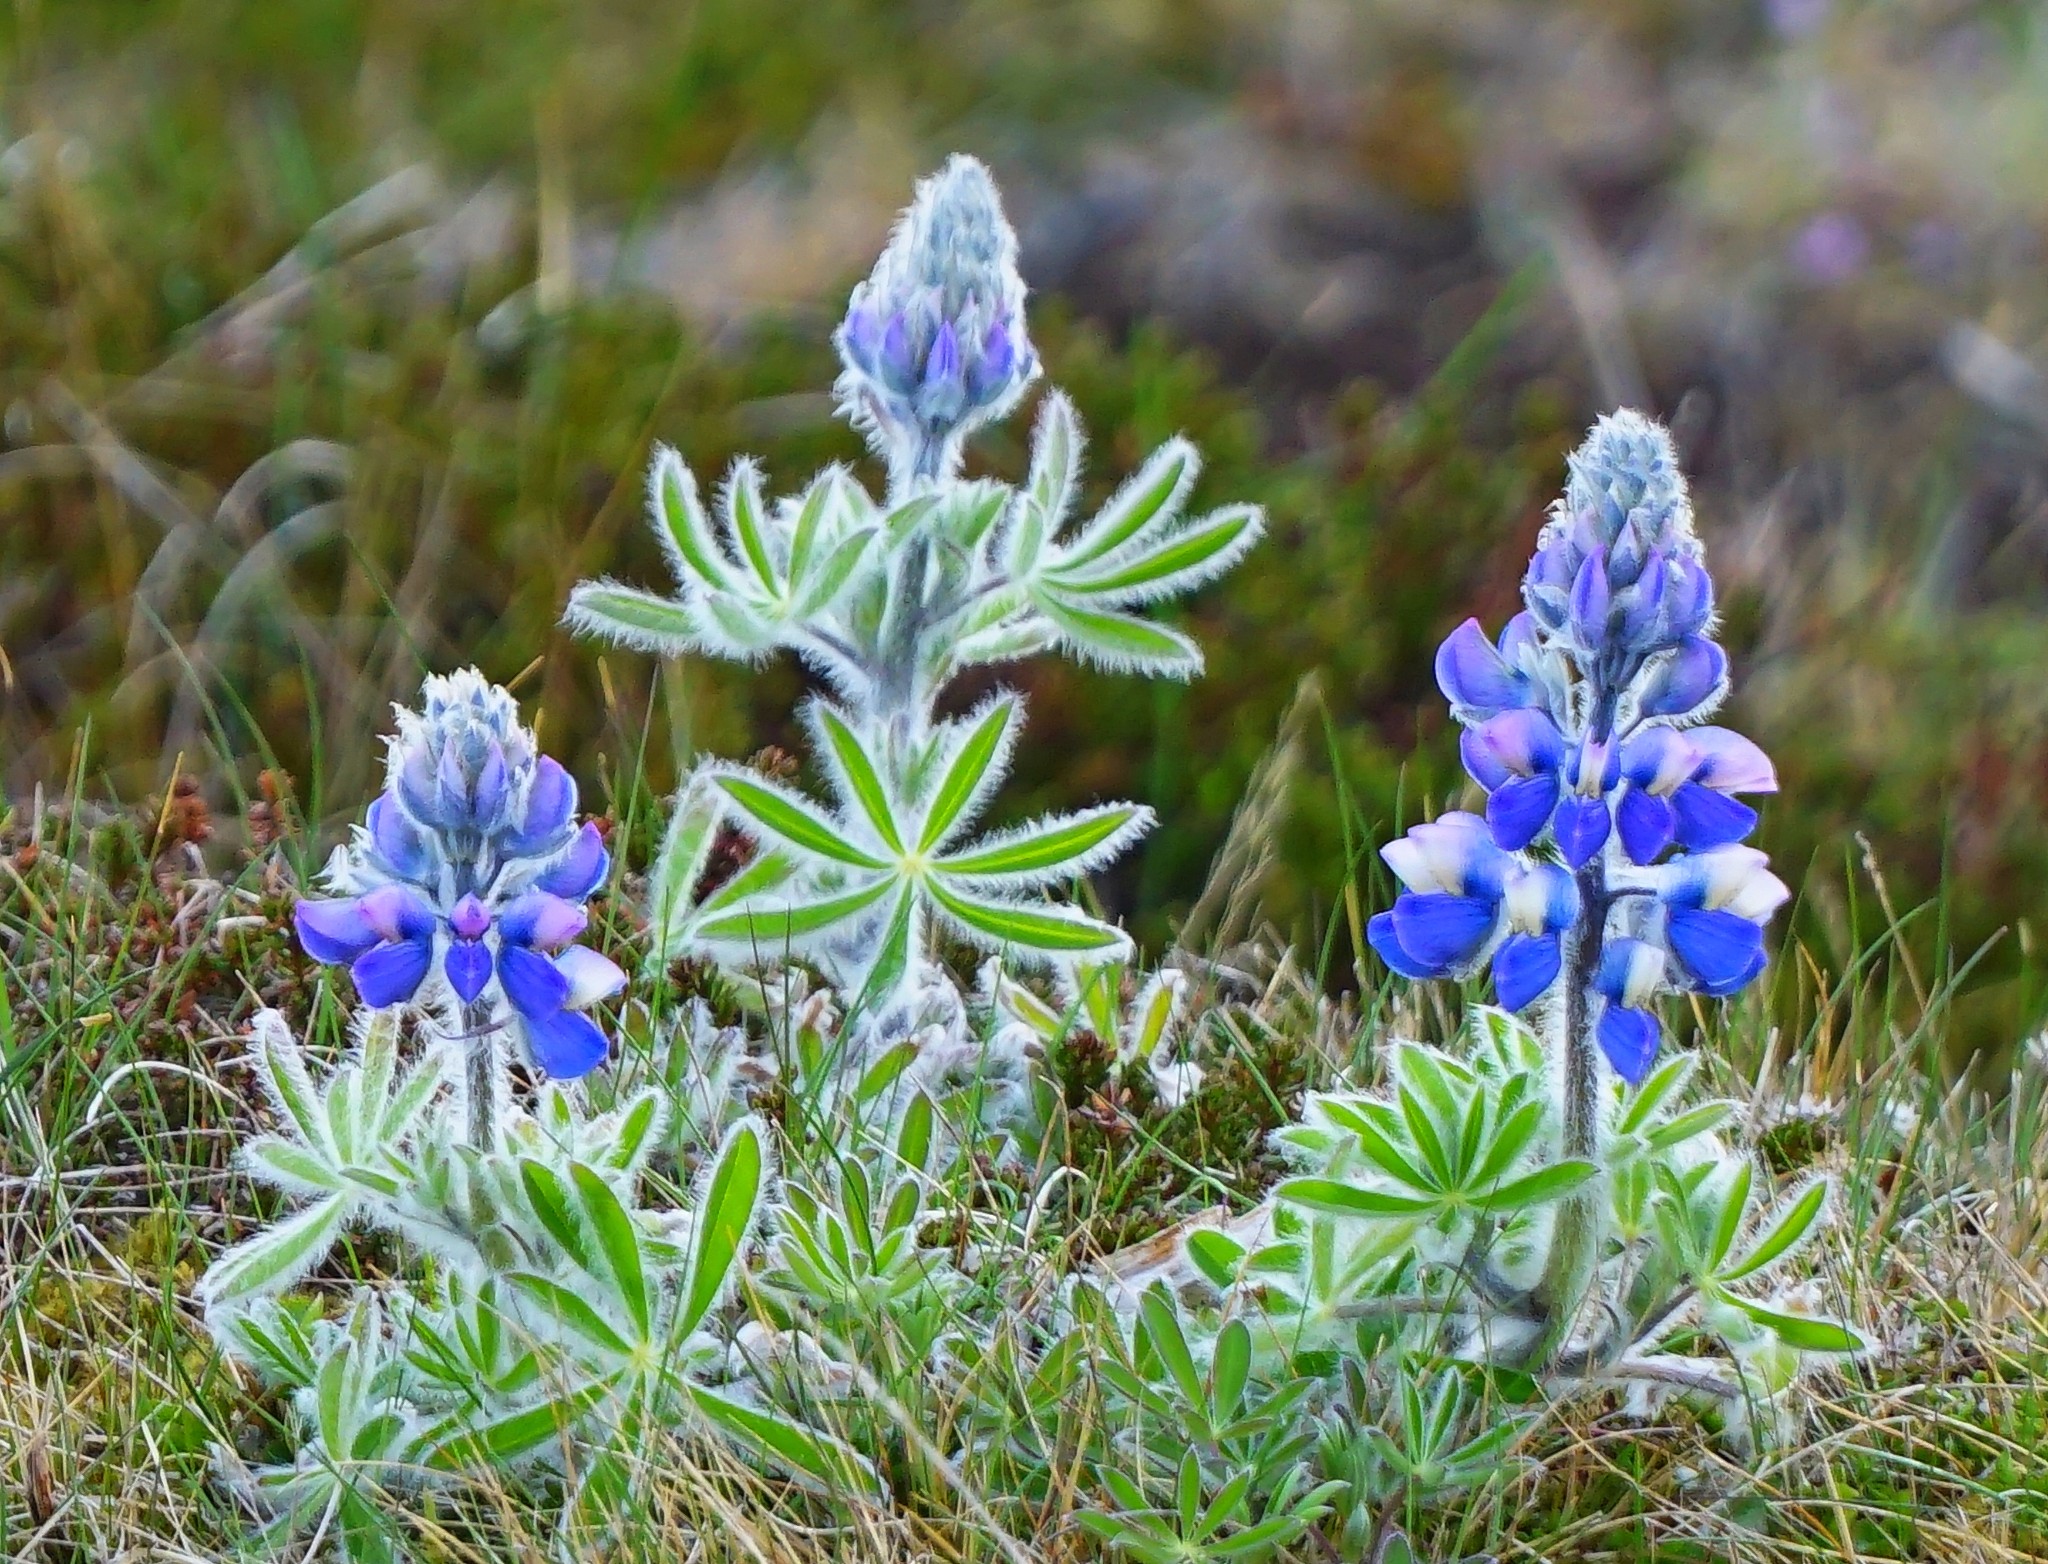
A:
(744, 507)
(724, 1215)
(1170, 1343)
(1698, 1121)
(1534, 1189)
(633, 617)
(830, 578)
(762, 874)
(1509, 1142)
(572, 1310)
(967, 772)
(1734, 1206)
(790, 819)
(1184, 562)
(619, 1241)
(862, 779)
(1663, 1084)
(1046, 847)
(1802, 1331)
(770, 928)
(1791, 1225)
(274, 1258)
(810, 520)
(1121, 643)
(1342, 1199)
(892, 953)
(1216, 1255)
(549, 1198)
(1153, 494)
(293, 1166)
(285, 1068)
(1008, 926)
(684, 531)
(685, 848)
(1428, 1137)
(1054, 445)
(454, 1443)
(413, 1094)
(824, 1461)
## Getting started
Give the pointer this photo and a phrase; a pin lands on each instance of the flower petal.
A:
(1380, 934)
(550, 803)
(1518, 810)
(1480, 761)
(565, 1043)
(1581, 826)
(470, 918)
(1524, 968)
(467, 966)
(581, 869)
(1444, 930)
(1705, 818)
(1473, 675)
(392, 974)
(543, 921)
(1646, 824)
(1657, 759)
(1719, 952)
(1527, 741)
(397, 912)
(1591, 599)
(395, 838)
(1693, 674)
(533, 984)
(591, 976)
(1731, 763)
(1629, 1038)
(334, 930)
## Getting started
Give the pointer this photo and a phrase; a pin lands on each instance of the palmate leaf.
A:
(855, 870)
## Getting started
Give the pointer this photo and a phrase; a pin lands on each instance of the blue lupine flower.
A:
(1535, 781)
(1682, 788)
(934, 341)
(1714, 906)
(1630, 975)
(1466, 899)
(1575, 726)
(469, 869)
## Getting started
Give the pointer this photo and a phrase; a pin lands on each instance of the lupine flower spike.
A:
(467, 883)
(1611, 826)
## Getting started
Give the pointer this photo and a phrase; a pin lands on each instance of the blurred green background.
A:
(334, 334)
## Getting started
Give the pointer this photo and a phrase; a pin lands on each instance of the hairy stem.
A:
(1575, 1243)
(480, 1074)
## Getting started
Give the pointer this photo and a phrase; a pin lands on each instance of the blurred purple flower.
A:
(1833, 248)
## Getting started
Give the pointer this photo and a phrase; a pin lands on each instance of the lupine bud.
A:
(934, 341)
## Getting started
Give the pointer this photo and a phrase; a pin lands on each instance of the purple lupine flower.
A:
(934, 341)
(1606, 812)
(468, 878)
